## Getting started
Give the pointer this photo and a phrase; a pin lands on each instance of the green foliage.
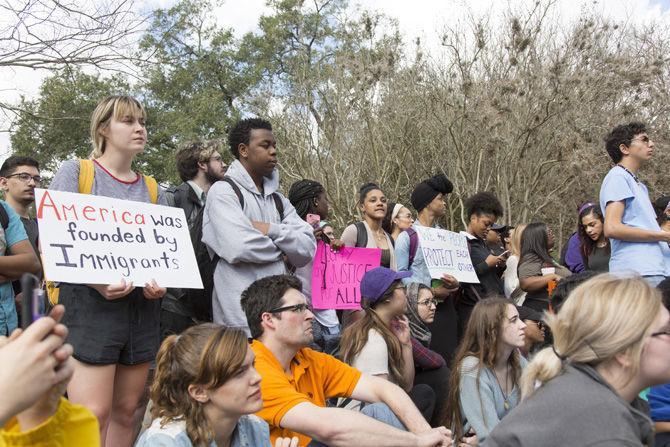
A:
(55, 127)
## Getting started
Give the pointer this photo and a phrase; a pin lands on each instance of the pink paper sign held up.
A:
(336, 276)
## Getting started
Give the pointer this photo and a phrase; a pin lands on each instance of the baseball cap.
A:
(376, 281)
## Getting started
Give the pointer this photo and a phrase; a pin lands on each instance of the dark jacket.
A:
(184, 197)
(490, 281)
(577, 409)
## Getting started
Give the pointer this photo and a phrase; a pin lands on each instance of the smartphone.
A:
(313, 220)
(32, 303)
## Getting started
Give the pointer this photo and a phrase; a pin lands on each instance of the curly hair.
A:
(483, 203)
(241, 131)
(622, 134)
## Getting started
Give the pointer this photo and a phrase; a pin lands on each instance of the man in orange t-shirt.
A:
(297, 381)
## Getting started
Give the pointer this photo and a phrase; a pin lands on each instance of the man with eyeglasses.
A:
(637, 241)
(297, 381)
(199, 165)
(19, 235)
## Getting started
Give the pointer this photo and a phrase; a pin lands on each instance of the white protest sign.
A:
(446, 252)
(87, 239)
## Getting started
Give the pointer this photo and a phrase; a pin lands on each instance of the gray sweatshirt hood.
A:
(240, 175)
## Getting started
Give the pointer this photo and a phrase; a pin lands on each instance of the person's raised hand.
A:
(153, 291)
(400, 327)
(114, 291)
(336, 244)
(450, 282)
(287, 442)
(33, 362)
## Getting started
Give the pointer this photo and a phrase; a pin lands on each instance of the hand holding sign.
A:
(446, 252)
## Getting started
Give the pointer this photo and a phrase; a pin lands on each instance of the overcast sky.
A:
(416, 18)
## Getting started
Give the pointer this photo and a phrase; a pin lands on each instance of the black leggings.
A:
(438, 380)
(423, 397)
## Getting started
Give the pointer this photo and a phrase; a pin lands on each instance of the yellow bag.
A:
(86, 176)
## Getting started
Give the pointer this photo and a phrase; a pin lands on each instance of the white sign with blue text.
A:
(446, 252)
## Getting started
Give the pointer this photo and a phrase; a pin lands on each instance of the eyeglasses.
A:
(297, 308)
(25, 177)
(643, 139)
(429, 303)
(540, 324)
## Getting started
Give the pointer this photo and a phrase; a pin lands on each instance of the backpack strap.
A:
(413, 244)
(279, 204)
(152, 186)
(86, 176)
(361, 234)
(4, 218)
(236, 189)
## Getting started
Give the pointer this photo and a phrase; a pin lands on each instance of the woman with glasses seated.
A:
(611, 341)
(429, 366)
(379, 343)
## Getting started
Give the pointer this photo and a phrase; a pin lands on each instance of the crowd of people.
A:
(543, 350)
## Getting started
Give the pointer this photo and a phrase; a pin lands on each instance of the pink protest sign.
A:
(336, 276)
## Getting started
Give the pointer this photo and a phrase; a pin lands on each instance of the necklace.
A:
(506, 404)
(628, 171)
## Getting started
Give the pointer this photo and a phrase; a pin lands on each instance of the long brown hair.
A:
(355, 336)
(481, 339)
(206, 355)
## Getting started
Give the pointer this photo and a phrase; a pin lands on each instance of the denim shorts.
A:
(105, 332)
(8, 318)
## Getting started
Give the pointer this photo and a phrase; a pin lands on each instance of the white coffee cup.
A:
(548, 271)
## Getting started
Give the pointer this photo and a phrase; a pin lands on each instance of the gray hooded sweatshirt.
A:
(245, 253)
(578, 409)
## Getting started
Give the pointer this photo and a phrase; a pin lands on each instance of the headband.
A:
(585, 206)
(396, 210)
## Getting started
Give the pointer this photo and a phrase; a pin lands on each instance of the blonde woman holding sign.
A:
(114, 328)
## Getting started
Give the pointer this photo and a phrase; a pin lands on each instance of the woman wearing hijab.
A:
(429, 366)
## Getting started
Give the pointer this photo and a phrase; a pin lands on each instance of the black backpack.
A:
(4, 218)
(362, 235)
(199, 301)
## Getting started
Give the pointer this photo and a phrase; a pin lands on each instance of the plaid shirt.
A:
(424, 358)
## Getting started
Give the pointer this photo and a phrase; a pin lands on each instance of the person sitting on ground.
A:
(36, 367)
(309, 198)
(536, 268)
(379, 344)
(583, 391)
(429, 366)
(428, 199)
(534, 332)
(297, 381)
(484, 385)
(659, 395)
(397, 219)
(369, 232)
(594, 246)
(511, 275)
(205, 392)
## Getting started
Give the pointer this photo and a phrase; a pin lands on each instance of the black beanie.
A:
(426, 191)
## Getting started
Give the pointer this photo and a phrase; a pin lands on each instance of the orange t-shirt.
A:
(315, 378)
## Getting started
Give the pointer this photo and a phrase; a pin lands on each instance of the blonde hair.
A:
(111, 107)
(515, 240)
(592, 327)
(206, 355)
